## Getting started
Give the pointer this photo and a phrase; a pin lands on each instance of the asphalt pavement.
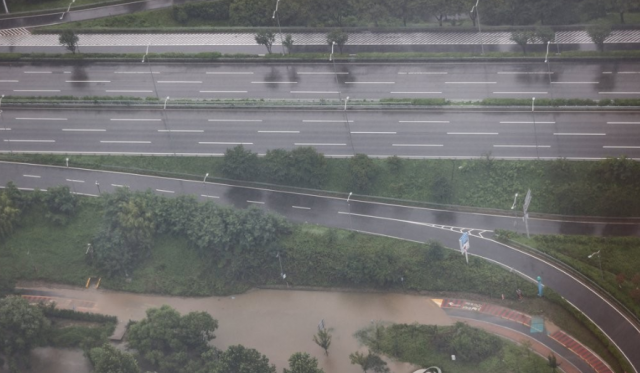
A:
(268, 80)
(415, 224)
(523, 134)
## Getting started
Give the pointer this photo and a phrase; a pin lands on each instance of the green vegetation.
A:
(370, 361)
(69, 40)
(428, 345)
(620, 275)
(108, 359)
(302, 363)
(16, 6)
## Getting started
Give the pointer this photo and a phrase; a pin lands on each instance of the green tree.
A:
(7, 284)
(323, 339)
(623, 6)
(410, 10)
(69, 40)
(593, 9)
(265, 38)
(442, 9)
(508, 12)
(522, 38)
(552, 362)
(545, 34)
(21, 327)
(363, 172)
(167, 340)
(301, 362)
(240, 164)
(599, 33)
(368, 362)
(309, 167)
(108, 359)
(474, 345)
(278, 165)
(251, 12)
(288, 43)
(238, 359)
(8, 215)
(339, 37)
(61, 203)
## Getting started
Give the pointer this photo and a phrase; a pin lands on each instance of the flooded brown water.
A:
(278, 322)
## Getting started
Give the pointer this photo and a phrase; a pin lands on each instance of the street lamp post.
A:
(333, 44)
(600, 262)
(68, 8)
(275, 16)
(165, 103)
(515, 200)
(145, 53)
(1, 97)
(349, 208)
(205, 177)
(546, 57)
(98, 186)
(345, 102)
(533, 102)
(475, 7)
(67, 161)
(6, 10)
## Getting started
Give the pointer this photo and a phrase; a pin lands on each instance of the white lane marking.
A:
(235, 120)
(428, 145)
(164, 191)
(41, 118)
(38, 72)
(578, 134)
(324, 121)
(536, 122)
(423, 73)
(575, 82)
(607, 72)
(83, 130)
(370, 82)
(36, 90)
(322, 73)
(623, 122)
(278, 131)
(124, 142)
(274, 82)
(180, 81)
(88, 81)
(224, 91)
(524, 72)
(301, 207)
(186, 131)
(522, 146)
(119, 186)
(423, 121)
(628, 72)
(470, 82)
(258, 202)
(75, 181)
(520, 93)
(5, 129)
(229, 73)
(134, 120)
(312, 92)
(126, 91)
(224, 143)
(34, 176)
(206, 196)
(67, 72)
(374, 133)
(9, 81)
(316, 144)
(472, 133)
(421, 93)
(136, 72)
(621, 147)
(619, 93)
(29, 140)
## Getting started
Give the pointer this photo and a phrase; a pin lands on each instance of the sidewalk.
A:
(517, 326)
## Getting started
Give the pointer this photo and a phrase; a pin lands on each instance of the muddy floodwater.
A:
(275, 322)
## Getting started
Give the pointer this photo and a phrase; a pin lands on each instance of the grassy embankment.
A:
(312, 255)
(558, 187)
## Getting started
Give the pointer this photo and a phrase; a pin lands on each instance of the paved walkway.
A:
(546, 337)
(21, 37)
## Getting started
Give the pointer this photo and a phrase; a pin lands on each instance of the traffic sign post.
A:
(464, 245)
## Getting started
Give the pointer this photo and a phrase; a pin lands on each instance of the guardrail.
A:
(576, 273)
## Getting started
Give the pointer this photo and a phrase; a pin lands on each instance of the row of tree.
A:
(238, 240)
(402, 12)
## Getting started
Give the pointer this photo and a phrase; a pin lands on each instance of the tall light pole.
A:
(205, 177)
(275, 16)
(98, 186)
(599, 260)
(546, 57)
(515, 200)
(6, 10)
(345, 102)
(67, 161)
(145, 53)
(165, 103)
(533, 102)
(1, 97)
(349, 208)
(333, 44)
(477, 10)
(68, 8)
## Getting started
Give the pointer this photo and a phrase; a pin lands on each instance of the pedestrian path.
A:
(509, 315)
(22, 38)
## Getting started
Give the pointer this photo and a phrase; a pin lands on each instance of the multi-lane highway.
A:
(456, 81)
(427, 134)
(408, 223)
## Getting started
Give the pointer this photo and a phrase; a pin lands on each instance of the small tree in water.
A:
(323, 339)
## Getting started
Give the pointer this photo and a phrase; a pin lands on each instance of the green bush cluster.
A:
(209, 11)
(62, 313)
